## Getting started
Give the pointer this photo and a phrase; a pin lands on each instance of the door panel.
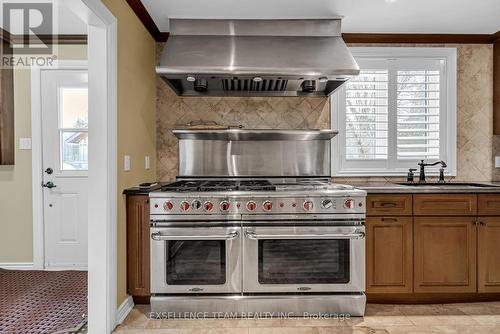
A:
(489, 254)
(445, 254)
(389, 254)
(64, 114)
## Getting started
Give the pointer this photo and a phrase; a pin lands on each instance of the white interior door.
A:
(64, 116)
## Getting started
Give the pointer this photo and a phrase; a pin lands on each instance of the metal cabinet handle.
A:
(255, 236)
(391, 204)
(159, 237)
(395, 220)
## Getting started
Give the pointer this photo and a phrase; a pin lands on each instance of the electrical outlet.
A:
(497, 162)
(147, 162)
(126, 163)
(25, 143)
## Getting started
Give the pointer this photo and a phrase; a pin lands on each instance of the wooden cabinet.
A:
(445, 205)
(389, 204)
(389, 254)
(489, 254)
(445, 254)
(488, 204)
(138, 277)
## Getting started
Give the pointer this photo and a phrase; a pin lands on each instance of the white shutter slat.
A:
(367, 116)
(418, 114)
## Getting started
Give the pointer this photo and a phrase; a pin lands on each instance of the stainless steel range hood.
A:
(256, 57)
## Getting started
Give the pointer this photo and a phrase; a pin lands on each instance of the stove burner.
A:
(219, 185)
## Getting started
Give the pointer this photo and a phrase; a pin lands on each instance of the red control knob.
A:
(224, 206)
(267, 206)
(167, 206)
(208, 206)
(349, 204)
(308, 205)
(184, 206)
(251, 205)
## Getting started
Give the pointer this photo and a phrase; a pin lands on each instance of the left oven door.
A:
(195, 260)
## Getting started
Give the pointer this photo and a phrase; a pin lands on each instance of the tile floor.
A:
(470, 318)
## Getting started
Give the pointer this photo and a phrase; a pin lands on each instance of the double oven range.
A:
(241, 244)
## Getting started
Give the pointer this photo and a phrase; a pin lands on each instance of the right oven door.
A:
(304, 259)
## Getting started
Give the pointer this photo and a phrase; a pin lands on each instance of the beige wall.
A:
(136, 115)
(16, 223)
(474, 115)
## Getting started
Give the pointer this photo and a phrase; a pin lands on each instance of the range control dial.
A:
(327, 203)
(168, 206)
(267, 205)
(208, 206)
(224, 206)
(184, 206)
(308, 205)
(349, 204)
(196, 204)
(251, 205)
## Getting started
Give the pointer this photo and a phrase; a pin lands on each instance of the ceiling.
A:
(360, 16)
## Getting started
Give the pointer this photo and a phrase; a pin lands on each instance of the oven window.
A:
(196, 262)
(304, 261)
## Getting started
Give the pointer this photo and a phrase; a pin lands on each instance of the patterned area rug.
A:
(42, 301)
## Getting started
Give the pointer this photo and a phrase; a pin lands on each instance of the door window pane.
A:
(74, 108)
(194, 262)
(304, 261)
(74, 150)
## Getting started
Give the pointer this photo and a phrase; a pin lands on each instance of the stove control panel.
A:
(256, 205)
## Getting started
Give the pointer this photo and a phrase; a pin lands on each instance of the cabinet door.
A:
(445, 254)
(389, 254)
(138, 284)
(489, 254)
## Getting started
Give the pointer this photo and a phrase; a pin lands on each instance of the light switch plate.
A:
(25, 143)
(497, 162)
(147, 162)
(126, 163)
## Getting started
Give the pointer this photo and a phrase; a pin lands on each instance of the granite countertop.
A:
(136, 190)
(377, 188)
(388, 188)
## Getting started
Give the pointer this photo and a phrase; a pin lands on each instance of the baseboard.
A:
(17, 265)
(124, 310)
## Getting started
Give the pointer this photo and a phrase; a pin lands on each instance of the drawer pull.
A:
(390, 220)
(388, 204)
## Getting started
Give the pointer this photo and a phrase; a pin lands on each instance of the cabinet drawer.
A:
(445, 205)
(379, 205)
(488, 204)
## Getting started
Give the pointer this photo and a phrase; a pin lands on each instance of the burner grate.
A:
(219, 185)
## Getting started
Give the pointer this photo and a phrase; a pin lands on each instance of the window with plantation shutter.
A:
(398, 111)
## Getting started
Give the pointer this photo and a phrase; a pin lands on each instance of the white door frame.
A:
(102, 175)
(36, 155)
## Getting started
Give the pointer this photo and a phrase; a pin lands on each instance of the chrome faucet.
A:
(422, 165)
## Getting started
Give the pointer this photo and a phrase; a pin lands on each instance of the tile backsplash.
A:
(475, 142)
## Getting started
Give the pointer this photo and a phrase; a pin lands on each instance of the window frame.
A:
(448, 96)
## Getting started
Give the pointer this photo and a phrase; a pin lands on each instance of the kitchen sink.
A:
(450, 184)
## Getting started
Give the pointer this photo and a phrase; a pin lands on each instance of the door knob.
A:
(49, 185)
(49, 171)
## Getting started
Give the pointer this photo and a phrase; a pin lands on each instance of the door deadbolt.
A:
(49, 171)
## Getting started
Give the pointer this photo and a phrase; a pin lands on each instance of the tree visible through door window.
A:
(73, 128)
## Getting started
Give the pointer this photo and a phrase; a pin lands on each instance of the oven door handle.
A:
(255, 236)
(159, 237)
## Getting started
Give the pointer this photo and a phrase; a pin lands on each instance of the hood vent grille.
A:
(250, 85)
